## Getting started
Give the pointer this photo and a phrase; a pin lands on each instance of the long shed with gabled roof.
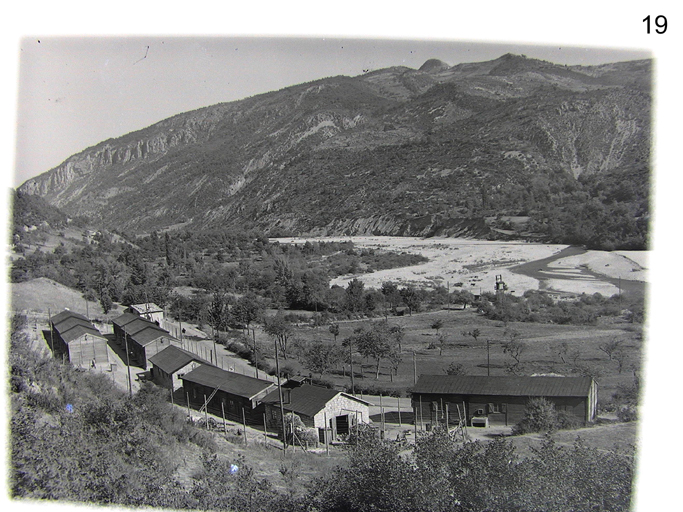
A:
(74, 337)
(234, 392)
(500, 400)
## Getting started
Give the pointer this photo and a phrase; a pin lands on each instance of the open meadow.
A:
(548, 349)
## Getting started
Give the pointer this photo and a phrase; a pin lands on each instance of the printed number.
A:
(660, 23)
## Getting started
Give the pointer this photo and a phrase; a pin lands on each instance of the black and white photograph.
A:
(359, 260)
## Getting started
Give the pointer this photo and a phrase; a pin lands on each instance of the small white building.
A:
(148, 310)
(314, 405)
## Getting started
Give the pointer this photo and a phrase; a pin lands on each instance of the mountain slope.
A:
(393, 151)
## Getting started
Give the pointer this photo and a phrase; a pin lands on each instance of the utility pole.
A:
(130, 382)
(279, 390)
(381, 413)
(353, 387)
(180, 323)
(244, 427)
(488, 357)
(327, 445)
(414, 369)
(253, 335)
(398, 401)
(52, 340)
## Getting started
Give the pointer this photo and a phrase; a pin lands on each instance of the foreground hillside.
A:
(396, 151)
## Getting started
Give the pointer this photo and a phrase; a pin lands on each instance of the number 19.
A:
(660, 22)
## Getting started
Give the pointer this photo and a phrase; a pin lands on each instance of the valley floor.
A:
(473, 265)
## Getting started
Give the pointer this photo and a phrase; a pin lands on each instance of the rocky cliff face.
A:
(379, 153)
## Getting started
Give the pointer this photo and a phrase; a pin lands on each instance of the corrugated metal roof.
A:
(503, 385)
(306, 400)
(230, 382)
(173, 358)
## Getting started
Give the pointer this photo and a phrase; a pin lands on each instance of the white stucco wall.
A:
(341, 405)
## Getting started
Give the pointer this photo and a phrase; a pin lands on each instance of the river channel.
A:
(545, 269)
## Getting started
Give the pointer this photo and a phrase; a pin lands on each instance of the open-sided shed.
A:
(499, 400)
(74, 337)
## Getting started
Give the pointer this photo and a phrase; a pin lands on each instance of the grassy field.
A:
(36, 296)
(542, 353)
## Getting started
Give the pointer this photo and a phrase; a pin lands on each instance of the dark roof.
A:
(306, 400)
(173, 358)
(79, 330)
(140, 324)
(148, 335)
(503, 385)
(71, 326)
(125, 319)
(68, 323)
(60, 317)
(230, 382)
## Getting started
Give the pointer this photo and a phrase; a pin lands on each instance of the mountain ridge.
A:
(368, 154)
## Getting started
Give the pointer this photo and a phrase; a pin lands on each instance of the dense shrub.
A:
(373, 389)
(539, 416)
(538, 307)
(444, 474)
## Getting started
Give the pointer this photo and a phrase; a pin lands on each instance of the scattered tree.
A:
(280, 329)
(455, 369)
(610, 348)
(321, 358)
(334, 330)
(373, 343)
(397, 332)
(514, 348)
(394, 357)
(436, 325)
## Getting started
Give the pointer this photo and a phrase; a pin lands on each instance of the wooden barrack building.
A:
(499, 400)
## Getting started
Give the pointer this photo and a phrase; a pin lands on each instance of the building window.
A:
(496, 408)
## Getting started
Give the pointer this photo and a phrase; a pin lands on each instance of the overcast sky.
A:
(78, 91)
